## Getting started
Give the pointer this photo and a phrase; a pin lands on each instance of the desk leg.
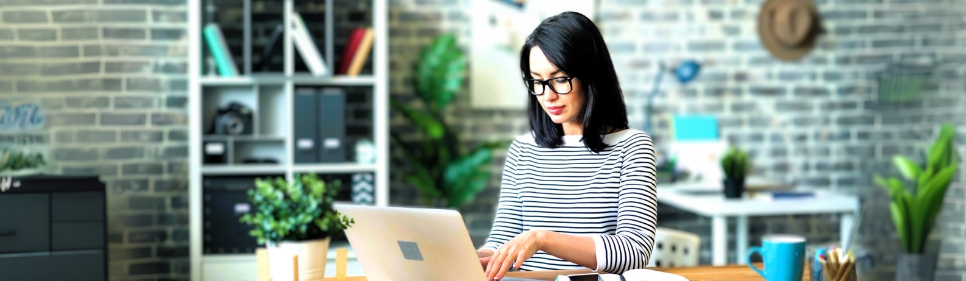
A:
(845, 228)
(719, 240)
(741, 228)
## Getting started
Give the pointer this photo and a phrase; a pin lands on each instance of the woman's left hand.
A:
(513, 253)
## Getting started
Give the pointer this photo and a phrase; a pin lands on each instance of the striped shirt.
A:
(611, 196)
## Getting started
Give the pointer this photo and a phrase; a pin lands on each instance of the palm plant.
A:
(443, 171)
(914, 212)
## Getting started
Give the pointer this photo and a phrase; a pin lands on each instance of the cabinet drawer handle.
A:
(7, 232)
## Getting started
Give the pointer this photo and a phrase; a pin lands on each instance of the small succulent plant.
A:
(735, 163)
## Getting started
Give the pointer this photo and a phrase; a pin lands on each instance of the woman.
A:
(579, 191)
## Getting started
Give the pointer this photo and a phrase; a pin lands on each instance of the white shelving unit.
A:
(272, 97)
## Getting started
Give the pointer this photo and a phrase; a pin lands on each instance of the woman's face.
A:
(562, 108)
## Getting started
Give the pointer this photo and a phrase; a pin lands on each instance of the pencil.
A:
(833, 261)
(843, 273)
(827, 267)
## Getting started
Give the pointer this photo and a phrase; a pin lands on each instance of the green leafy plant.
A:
(443, 171)
(914, 212)
(18, 160)
(294, 211)
(735, 163)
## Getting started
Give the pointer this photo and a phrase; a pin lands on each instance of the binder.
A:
(306, 46)
(331, 124)
(306, 133)
(224, 60)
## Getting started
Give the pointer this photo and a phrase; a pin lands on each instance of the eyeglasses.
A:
(560, 85)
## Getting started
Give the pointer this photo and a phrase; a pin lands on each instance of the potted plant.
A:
(914, 209)
(295, 218)
(441, 168)
(19, 163)
(736, 165)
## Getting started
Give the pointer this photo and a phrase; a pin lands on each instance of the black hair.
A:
(573, 44)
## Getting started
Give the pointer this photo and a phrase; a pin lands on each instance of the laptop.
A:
(395, 243)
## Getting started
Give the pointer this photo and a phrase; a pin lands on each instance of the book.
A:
(273, 41)
(350, 49)
(362, 53)
(306, 46)
(224, 61)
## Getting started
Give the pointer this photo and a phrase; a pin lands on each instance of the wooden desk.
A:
(702, 273)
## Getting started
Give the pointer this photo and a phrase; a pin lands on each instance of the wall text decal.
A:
(25, 116)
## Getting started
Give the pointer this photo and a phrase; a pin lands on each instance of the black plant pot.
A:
(734, 188)
(915, 267)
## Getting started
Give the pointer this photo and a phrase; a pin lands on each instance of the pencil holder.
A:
(818, 273)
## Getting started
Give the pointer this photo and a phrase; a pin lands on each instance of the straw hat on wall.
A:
(788, 29)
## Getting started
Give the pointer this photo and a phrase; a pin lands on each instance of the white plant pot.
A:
(312, 255)
(21, 172)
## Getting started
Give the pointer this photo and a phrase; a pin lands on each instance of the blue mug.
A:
(783, 256)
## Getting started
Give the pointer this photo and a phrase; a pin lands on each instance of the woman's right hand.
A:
(484, 256)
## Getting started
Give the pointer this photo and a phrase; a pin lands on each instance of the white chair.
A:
(675, 248)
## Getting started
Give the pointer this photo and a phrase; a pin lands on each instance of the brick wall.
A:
(110, 76)
(817, 122)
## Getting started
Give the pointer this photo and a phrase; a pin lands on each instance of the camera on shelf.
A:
(234, 119)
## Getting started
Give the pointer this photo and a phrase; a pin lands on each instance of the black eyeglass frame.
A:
(528, 82)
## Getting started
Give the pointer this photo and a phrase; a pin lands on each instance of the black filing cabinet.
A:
(52, 228)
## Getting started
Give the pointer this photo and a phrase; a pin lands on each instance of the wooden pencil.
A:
(827, 267)
(833, 261)
(847, 266)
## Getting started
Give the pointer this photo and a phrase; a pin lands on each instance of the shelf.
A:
(242, 138)
(301, 79)
(334, 168)
(229, 257)
(333, 248)
(272, 97)
(241, 169)
(339, 80)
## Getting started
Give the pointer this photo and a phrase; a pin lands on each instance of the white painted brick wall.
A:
(111, 77)
(816, 122)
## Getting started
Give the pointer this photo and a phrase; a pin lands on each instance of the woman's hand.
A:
(484, 256)
(513, 254)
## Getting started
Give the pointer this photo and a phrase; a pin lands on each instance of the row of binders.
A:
(354, 55)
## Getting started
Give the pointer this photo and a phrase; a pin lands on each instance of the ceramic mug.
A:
(783, 256)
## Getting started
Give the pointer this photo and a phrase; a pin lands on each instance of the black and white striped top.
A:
(611, 195)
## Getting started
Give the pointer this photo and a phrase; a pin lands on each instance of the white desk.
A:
(709, 201)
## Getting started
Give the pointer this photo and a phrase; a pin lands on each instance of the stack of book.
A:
(353, 58)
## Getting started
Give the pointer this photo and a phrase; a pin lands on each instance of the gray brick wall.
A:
(111, 78)
(817, 122)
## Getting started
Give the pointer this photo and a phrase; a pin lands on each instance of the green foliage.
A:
(296, 211)
(914, 212)
(17, 160)
(735, 163)
(442, 170)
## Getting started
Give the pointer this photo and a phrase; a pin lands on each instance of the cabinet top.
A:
(49, 183)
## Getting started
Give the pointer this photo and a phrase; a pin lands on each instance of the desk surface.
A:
(713, 203)
(702, 273)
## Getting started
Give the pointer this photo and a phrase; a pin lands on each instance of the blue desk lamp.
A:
(685, 72)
